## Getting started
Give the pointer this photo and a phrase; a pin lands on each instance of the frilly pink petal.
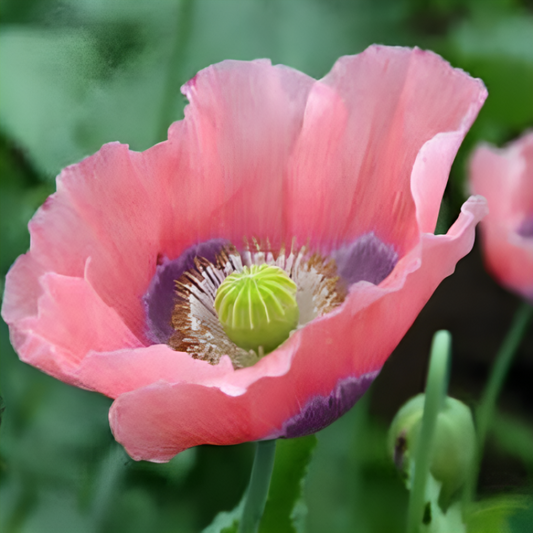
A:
(158, 421)
(117, 372)
(388, 119)
(242, 121)
(74, 224)
(71, 320)
(505, 178)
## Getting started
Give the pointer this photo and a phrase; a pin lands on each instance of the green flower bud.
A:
(453, 442)
(257, 307)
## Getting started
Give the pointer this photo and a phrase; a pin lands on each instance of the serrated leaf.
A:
(285, 509)
(226, 521)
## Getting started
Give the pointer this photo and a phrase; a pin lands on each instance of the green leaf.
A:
(285, 510)
(494, 515)
(227, 521)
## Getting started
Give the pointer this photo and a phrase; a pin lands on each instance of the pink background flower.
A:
(263, 151)
(505, 178)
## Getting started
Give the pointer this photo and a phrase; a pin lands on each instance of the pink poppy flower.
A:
(505, 178)
(337, 181)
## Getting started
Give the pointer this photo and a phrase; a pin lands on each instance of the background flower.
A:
(505, 177)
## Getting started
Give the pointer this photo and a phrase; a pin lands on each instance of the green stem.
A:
(492, 390)
(177, 55)
(436, 387)
(258, 488)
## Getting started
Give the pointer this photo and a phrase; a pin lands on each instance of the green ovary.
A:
(257, 307)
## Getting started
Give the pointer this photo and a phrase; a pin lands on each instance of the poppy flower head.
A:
(303, 208)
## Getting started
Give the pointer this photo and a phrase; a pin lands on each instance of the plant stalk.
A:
(499, 371)
(256, 496)
(436, 388)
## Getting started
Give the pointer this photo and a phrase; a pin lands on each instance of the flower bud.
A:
(454, 441)
(257, 307)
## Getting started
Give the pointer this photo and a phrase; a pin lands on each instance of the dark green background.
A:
(78, 73)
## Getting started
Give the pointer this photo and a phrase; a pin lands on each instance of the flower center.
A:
(257, 307)
(244, 304)
(180, 301)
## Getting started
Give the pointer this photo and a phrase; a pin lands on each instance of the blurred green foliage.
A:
(78, 73)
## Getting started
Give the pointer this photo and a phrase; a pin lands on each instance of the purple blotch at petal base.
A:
(526, 228)
(367, 258)
(160, 297)
(320, 411)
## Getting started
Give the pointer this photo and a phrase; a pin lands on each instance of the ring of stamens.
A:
(197, 328)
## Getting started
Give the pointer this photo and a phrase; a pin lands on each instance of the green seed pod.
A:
(454, 442)
(257, 307)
